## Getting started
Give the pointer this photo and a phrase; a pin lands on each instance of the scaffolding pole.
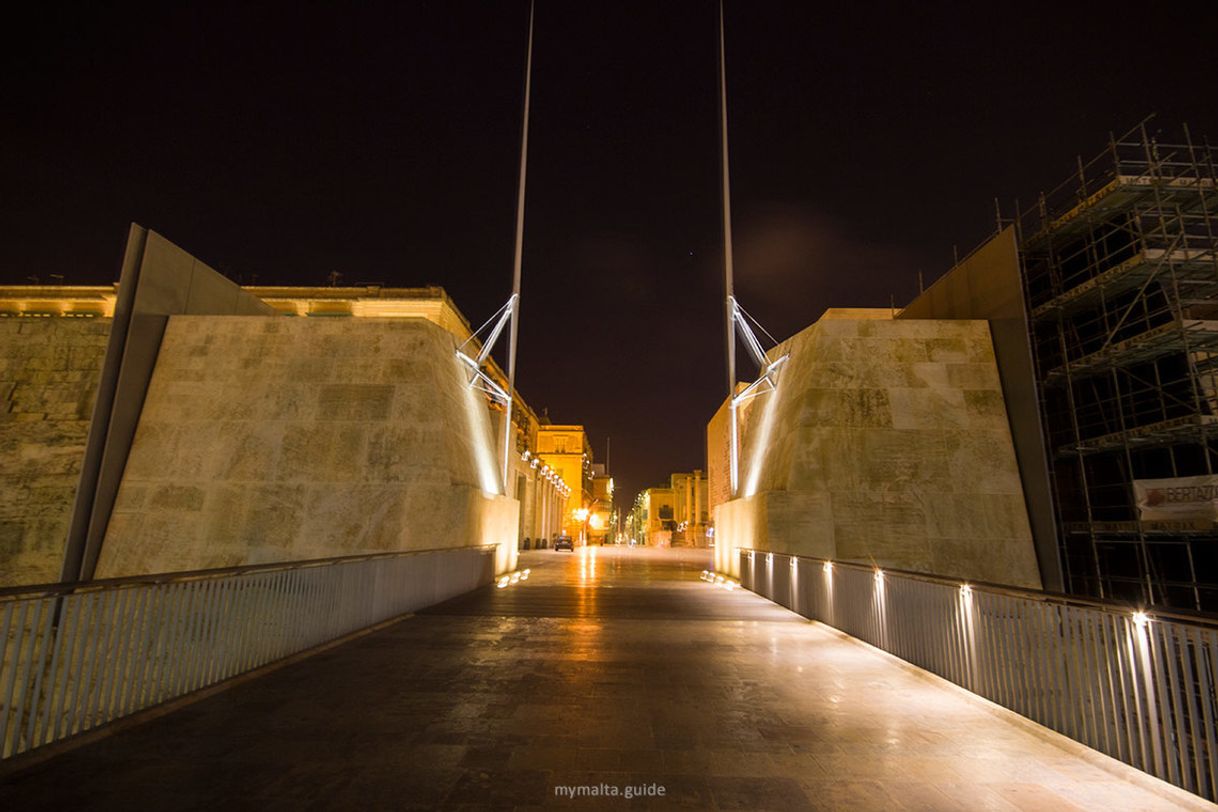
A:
(1120, 267)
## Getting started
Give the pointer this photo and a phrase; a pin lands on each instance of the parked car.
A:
(564, 543)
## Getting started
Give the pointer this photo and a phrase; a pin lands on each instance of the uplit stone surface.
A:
(611, 668)
(49, 370)
(886, 442)
(270, 438)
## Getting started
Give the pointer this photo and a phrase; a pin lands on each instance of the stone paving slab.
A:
(603, 670)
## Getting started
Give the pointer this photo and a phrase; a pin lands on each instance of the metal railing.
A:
(1138, 687)
(76, 656)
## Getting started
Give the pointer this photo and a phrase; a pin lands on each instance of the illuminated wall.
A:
(57, 300)
(49, 369)
(271, 439)
(372, 301)
(718, 461)
(42, 445)
(887, 443)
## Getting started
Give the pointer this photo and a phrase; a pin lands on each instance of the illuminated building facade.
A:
(567, 452)
(602, 525)
(653, 519)
(690, 510)
(674, 515)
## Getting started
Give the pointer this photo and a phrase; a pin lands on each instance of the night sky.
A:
(282, 144)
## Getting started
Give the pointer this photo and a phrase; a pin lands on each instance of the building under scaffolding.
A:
(1119, 274)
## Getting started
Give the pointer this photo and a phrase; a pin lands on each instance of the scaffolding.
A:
(1120, 267)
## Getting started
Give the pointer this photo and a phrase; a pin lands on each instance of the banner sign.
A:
(1189, 497)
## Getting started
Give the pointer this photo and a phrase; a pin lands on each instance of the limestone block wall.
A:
(271, 438)
(49, 371)
(886, 442)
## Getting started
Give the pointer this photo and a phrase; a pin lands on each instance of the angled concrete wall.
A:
(988, 285)
(49, 370)
(885, 443)
(157, 279)
(272, 439)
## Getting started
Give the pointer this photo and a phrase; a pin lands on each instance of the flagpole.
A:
(515, 305)
(729, 288)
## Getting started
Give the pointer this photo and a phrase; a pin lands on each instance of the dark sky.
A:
(381, 142)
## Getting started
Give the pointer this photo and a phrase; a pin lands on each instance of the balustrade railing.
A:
(76, 656)
(1137, 686)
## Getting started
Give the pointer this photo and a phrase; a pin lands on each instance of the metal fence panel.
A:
(1139, 688)
(76, 656)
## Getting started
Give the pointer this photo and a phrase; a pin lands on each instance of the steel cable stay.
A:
(767, 380)
(478, 378)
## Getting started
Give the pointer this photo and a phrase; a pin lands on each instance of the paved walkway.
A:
(609, 670)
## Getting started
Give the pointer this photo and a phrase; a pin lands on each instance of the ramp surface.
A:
(605, 671)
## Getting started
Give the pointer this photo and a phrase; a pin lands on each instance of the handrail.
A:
(1115, 607)
(70, 587)
(75, 656)
(1141, 688)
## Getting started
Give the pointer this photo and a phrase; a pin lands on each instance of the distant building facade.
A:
(676, 514)
(690, 509)
(652, 519)
(602, 524)
(566, 450)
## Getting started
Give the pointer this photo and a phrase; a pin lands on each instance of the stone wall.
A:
(988, 284)
(886, 442)
(718, 455)
(49, 370)
(270, 439)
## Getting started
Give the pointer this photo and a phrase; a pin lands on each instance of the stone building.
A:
(566, 450)
(538, 487)
(690, 510)
(886, 442)
(676, 514)
(653, 517)
(1099, 303)
(176, 421)
(601, 525)
(50, 366)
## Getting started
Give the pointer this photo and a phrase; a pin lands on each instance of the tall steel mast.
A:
(727, 213)
(524, 158)
(738, 321)
(508, 315)
(729, 286)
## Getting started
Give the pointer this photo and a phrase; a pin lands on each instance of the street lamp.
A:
(581, 515)
(586, 516)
